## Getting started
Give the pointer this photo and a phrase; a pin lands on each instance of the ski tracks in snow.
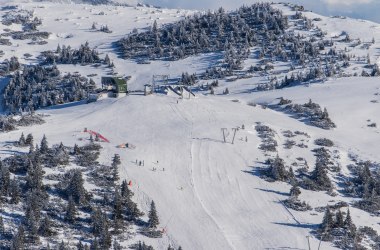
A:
(195, 152)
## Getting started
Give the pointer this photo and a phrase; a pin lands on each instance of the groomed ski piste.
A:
(205, 188)
(208, 192)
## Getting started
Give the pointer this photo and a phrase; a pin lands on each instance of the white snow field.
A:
(207, 192)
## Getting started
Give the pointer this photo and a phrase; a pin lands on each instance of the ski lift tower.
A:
(159, 79)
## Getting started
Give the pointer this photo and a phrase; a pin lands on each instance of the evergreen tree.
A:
(115, 174)
(71, 211)
(34, 205)
(96, 219)
(2, 228)
(44, 148)
(320, 176)
(76, 150)
(115, 170)
(46, 227)
(76, 188)
(153, 217)
(295, 192)
(62, 246)
(277, 169)
(107, 60)
(339, 220)
(126, 193)
(58, 50)
(4, 180)
(327, 222)
(105, 239)
(34, 177)
(95, 245)
(31, 148)
(116, 245)
(131, 210)
(80, 246)
(29, 140)
(348, 224)
(21, 141)
(32, 226)
(18, 239)
(116, 160)
(117, 211)
(14, 190)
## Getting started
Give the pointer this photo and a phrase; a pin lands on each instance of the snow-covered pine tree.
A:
(153, 217)
(71, 211)
(44, 147)
(105, 239)
(126, 193)
(339, 220)
(76, 189)
(116, 245)
(62, 246)
(2, 228)
(295, 191)
(115, 168)
(76, 150)
(32, 222)
(4, 180)
(96, 221)
(349, 224)
(31, 148)
(320, 177)
(21, 141)
(80, 245)
(14, 190)
(117, 211)
(95, 245)
(18, 240)
(45, 228)
(328, 221)
(277, 169)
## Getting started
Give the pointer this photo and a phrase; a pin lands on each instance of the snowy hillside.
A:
(222, 166)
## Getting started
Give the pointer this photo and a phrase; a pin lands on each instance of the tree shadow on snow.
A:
(66, 105)
(273, 191)
(9, 151)
(256, 171)
(301, 225)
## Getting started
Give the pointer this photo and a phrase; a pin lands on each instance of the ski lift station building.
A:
(115, 84)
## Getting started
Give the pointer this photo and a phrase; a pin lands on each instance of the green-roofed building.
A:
(115, 84)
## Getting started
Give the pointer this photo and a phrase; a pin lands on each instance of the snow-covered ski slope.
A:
(207, 192)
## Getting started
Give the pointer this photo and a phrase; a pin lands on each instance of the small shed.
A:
(148, 89)
(115, 84)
